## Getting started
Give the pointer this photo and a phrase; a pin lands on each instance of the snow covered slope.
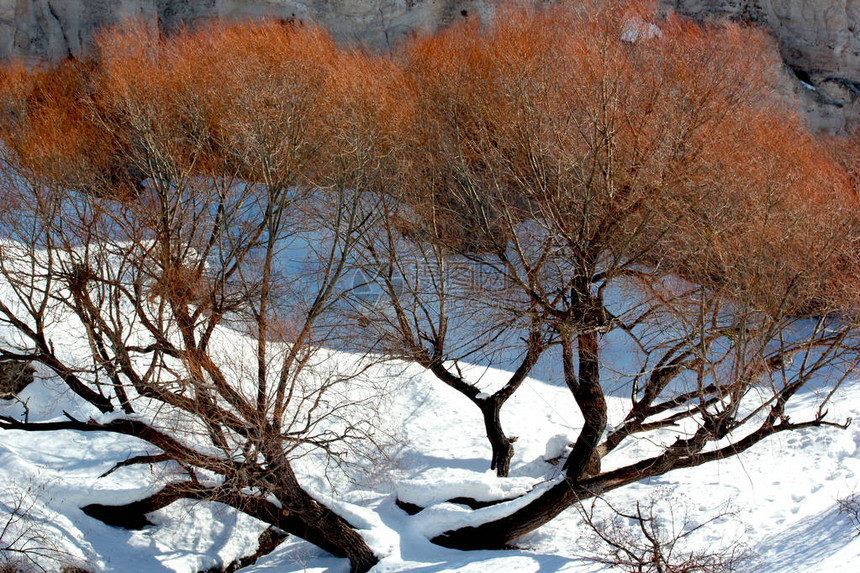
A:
(780, 499)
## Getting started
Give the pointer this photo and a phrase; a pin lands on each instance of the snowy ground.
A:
(782, 495)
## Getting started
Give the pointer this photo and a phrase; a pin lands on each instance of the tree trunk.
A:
(584, 459)
(503, 449)
(295, 511)
(580, 463)
(499, 533)
(313, 521)
(501, 445)
(301, 516)
(319, 525)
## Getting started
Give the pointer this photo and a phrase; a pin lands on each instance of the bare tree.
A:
(232, 228)
(639, 186)
(422, 303)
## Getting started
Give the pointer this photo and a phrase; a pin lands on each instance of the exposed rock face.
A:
(819, 39)
(820, 42)
(56, 28)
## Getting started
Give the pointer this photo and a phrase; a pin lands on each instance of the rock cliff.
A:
(56, 28)
(820, 42)
(819, 39)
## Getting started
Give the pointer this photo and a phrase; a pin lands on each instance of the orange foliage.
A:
(629, 134)
(52, 127)
(622, 130)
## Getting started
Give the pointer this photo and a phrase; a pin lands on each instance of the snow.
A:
(441, 484)
(781, 495)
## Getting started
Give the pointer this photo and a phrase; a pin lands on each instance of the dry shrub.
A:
(27, 543)
(652, 537)
(14, 377)
(850, 507)
(56, 132)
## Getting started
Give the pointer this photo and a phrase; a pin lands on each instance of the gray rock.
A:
(56, 28)
(819, 41)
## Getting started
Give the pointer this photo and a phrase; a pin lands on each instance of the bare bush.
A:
(651, 537)
(26, 542)
(14, 377)
(850, 507)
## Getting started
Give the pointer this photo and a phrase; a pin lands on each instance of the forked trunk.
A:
(297, 514)
(582, 461)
